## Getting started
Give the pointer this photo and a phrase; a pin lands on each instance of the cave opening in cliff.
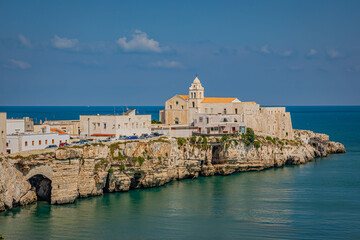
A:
(106, 187)
(216, 154)
(135, 181)
(42, 186)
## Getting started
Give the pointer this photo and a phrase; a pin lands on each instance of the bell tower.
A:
(196, 95)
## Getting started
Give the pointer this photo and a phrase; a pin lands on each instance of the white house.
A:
(127, 124)
(219, 123)
(19, 125)
(33, 141)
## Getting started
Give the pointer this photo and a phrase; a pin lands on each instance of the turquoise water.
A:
(319, 200)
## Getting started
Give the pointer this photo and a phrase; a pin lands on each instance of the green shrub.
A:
(204, 140)
(249, 136)
(256, 144)
(159, 158)
(122, 167)
(111, 171)
(236, 142)
(154, 121)
(268, 138)
(224, 138)
(193, 140)
(140, 160)
(181, 141)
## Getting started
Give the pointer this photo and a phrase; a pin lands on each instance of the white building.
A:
(34, 141)
(127, 124)
(22, 125)
(213, 124)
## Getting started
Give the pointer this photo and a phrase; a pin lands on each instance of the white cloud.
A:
(312, 52)
(332, 53)
(59, 42)
(265, 49)
(139, 43)
(24, 41)
(17, 64)
(167, 64)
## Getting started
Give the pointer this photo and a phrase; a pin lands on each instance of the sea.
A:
(318, 200)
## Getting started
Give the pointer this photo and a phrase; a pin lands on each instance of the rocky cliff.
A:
(66, 174)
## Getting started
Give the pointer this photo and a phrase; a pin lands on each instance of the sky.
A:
(141, 53)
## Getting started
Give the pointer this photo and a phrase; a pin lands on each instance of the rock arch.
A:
(40, 179)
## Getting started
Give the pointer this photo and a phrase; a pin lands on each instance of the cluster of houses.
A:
(183, 116)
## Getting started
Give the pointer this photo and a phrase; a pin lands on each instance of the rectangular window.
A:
(104, 125)
(60, 141)
(32, 143)
(235, 110)
(52, 141)
(39, 142)
(224, 110)
(66, 141)
(45, 141)
(25, 143)
(200, 119)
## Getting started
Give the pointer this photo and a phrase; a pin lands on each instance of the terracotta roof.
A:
(184, 96)
(56, 130)
(102, 135)
(217, 100)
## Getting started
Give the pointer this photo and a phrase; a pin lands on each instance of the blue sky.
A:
(144, 52)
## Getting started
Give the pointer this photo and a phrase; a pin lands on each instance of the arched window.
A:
(176, 120)
(194, 95)
(193, 104)
(170, 106)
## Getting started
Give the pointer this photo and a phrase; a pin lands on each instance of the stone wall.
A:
(87, 171)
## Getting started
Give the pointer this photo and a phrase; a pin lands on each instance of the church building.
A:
(269, 121)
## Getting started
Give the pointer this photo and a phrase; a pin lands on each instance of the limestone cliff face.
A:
(78, 172)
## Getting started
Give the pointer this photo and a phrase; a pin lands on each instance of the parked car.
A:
(122, 137)
(133, 137)
(106, 140)
(51, 146)
(64, 144)
(155, 134)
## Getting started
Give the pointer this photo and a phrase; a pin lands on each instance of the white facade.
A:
(219, 123)
(128, 124)
(15, 126)
(24, 142)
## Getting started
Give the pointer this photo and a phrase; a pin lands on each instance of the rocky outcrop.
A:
(77, 172)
